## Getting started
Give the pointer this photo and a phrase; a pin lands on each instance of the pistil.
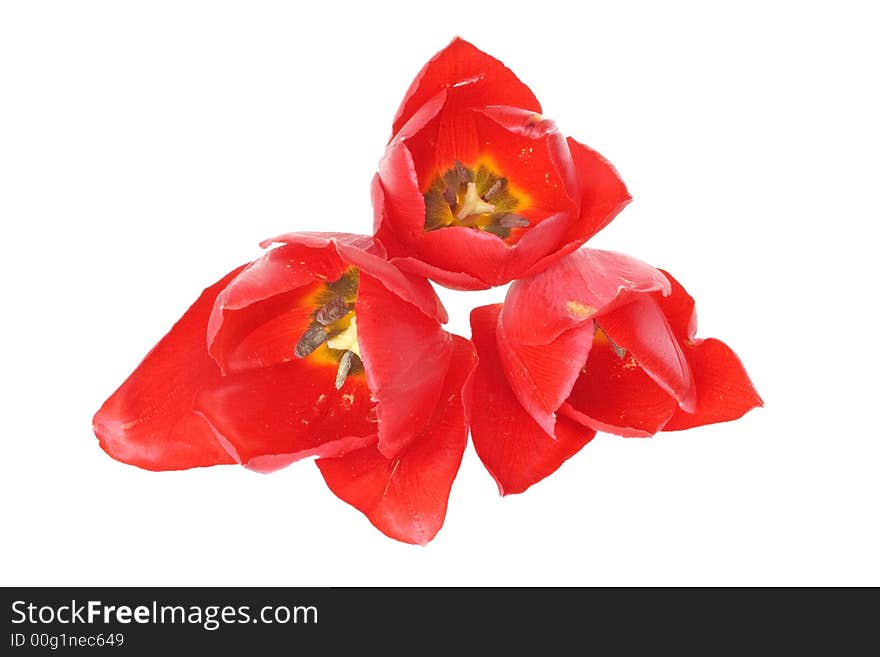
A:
(473, 204)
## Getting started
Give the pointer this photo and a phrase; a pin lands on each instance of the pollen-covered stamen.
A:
(335, 309)
(345, 364)
(313, 338)
(450, 195)
(331, 335)
(511, 220)
(495, 188)
(618, 350)
(464, 174)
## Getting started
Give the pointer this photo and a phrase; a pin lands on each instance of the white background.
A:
(145, 149)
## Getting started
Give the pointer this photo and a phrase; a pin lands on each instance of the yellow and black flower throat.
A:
(475, 198)
(332, 334)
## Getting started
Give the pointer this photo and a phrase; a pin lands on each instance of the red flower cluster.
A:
(331, 345)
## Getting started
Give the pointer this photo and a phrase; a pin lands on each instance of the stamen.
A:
(313, 338)
(335, 309)
(344, 367)
(496, 230)
(465, 175)
(450, 196)
(620, 351)
(511, 220)
(495, 188)
(473, 204)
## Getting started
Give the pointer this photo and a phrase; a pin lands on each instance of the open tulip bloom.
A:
(330, 346)
(476, 187)
(598, 342)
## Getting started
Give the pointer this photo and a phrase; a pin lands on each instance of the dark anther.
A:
(313, 338)
(619, 351)
(499, 231)
(344, 367)
(511, 220)
(334, 309)
(465, 175)
(450, 195)
(495, 188)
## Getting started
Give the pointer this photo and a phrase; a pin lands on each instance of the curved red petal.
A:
(264, 333)
(475, 77)
(448, 279)
(258, 318)
(319, 240)
(603, 193)
(406, 356)
(367, 254)
(540, 308)
(541, 376)
(279, 270)
(724, 390)
(149, 421)
(465, 259)
(640, 327)
(679, 309)
(414, 289)
(516, 451)
(269, 417)
(406, 497)
(530, 148)
(398, 204)
(613, 394)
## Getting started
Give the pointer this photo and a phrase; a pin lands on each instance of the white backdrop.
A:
(146, 147)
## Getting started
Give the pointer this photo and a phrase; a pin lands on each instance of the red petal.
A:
(149, 421)
(406, 355)
(264, 333)
(318, 240)
(369, 255)
(641, 328)
(516, 451)
(472, 75)
(724, 391)
(541, 376)
(574, 290)
(679, 309)
(272, 416)
(281, 270)
(406, 497)
(615, 395)
(257, 320)
(603, 192)
(601, 196)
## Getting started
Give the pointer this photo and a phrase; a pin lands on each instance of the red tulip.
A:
(597, 342)
(476, 188)
(319, 348)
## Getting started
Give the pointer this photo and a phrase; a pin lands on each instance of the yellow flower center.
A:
(477, 198)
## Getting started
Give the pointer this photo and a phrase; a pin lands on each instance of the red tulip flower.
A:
(320, 348)
(476, 188)
(597, 342)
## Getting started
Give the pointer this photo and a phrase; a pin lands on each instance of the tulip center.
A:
(332, 333)
(477, 198)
